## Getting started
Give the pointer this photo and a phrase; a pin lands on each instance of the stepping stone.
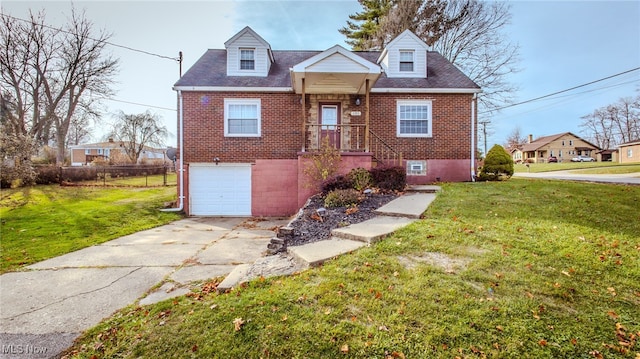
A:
(409, 205)
(372, 230)
(318, 252)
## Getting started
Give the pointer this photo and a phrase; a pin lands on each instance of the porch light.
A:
(216, 160)
(358, 102)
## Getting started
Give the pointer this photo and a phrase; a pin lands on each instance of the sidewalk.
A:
(44, 308)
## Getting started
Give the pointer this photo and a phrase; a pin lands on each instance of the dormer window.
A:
(247, 59)
(406, 60)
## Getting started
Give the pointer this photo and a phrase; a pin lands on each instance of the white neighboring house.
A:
(84, 154)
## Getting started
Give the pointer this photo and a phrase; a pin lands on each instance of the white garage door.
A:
(223, 190)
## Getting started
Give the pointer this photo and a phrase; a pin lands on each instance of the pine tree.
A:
(362, 28)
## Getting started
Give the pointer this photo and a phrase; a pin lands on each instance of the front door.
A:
(329, 124)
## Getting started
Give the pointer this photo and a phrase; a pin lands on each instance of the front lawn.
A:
(517, 269)
(46, 221)
(565, 166)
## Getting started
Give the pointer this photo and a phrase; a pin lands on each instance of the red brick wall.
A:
(451, 126)
(282, 129)
(204, 128)
(274, 188)
(447, 153)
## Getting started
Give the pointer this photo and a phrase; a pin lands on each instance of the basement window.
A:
(416, 168)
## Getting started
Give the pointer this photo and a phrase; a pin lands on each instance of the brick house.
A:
(563, 146)
(248, 115)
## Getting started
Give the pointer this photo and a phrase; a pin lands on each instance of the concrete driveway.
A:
(46, 306)
(626, 178)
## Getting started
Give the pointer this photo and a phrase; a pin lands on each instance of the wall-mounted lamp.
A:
(216, 160)
(358, 102)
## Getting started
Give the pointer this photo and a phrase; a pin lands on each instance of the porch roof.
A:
(335, 70)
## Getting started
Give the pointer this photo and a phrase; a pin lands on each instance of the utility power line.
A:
(559, 92)
(178, 59)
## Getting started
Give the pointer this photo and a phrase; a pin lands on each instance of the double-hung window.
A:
(247, 59)
(414, 118)
(242, 117)
(406, 60)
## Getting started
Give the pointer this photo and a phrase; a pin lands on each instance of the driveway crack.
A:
(76, 295)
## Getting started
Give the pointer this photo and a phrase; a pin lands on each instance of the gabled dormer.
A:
(405, 56)
(248, 54)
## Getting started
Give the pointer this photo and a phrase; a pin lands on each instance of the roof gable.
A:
(246, 32)
(545, 140)
(406, 48)
(337, 59)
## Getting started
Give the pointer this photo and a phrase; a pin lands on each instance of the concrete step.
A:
(236, 275)
(318, 252)
(424, 188)
(410, 205)
(372, 230)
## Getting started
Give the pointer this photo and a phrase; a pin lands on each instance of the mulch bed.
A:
(310, 227)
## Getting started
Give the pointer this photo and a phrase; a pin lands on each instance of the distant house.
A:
(81, 155)
(563, 146)
(630, 151)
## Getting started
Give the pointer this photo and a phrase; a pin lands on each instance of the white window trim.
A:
(240, 59)
(413, 61)
(429, 119)
(233, 101)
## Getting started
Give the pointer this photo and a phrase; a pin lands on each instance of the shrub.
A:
(342, 198)
(498, 165)
(360, 178)
(334, 183)
(78, 174)
(323, 164)
(47, 174)
(392, 178)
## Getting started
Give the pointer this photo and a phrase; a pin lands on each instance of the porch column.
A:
(303, 102)
(366, 116)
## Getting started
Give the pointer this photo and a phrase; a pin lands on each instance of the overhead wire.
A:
(559, 92)
(177, 59)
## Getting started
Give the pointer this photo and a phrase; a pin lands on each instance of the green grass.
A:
(622, 169)
(551, 272)
(565, 166)
(46, 221)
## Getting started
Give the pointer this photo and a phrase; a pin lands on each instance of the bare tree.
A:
(138, 131)
(515, 139)
(479, 46)
(50, 73)
(469, 33)
(614, 124)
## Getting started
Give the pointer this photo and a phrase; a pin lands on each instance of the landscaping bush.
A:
(334, 183)
(47, 174)
(360, 178)
(498, 165)
(392, 178)
(78, 174)
(342, 198)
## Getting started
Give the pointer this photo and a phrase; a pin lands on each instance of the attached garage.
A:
(219, 190)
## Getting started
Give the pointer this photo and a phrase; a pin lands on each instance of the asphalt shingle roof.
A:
(211, 70)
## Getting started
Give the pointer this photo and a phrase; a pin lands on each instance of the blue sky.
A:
(562, 44)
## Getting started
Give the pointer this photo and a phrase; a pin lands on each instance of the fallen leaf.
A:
(613, 314)
(344, 348)
(542, 342)
(194, 348)
(237, 324)
(383, 328)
